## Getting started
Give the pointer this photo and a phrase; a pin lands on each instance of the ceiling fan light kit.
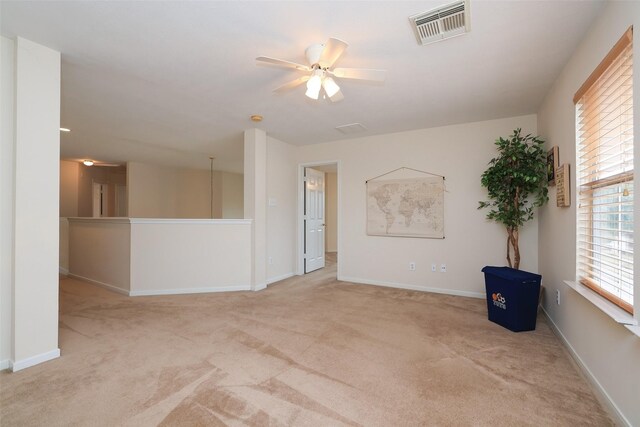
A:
(315, 83)
(321, 59)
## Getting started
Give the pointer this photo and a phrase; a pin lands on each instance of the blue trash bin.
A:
(512, 297)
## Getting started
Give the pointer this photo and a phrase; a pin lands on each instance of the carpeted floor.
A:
(307, 351)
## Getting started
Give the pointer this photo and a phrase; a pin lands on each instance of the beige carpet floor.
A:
(307, 351)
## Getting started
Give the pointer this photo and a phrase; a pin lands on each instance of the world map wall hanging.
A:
(408, 207)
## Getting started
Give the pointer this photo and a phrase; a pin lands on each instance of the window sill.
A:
(607, 307)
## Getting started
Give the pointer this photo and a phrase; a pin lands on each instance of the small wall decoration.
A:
(563, 189)
(553, 162)
(409, 207)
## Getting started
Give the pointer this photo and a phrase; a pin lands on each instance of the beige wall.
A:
(281, 209)
(166, 192)
(232, 195)
(331, 212)
(461, 153)
(63, 262)
(190, 256)
(606, 349)
(69, 181)
(161, 256)
(99, 251)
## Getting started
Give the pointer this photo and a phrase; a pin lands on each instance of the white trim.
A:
(600, 392)
(190, 221)
(195, 221)
(279, 278)
(63, 271)
(34, 360)
(606, 306)
(4, 364)
(103, 220)
(189, 291)
(101, 284)
(414, 287)
(260, 287)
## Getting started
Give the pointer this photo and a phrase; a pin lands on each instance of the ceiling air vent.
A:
(351, 128)
(441, 23)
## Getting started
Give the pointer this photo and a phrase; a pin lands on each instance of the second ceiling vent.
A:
(441, 23)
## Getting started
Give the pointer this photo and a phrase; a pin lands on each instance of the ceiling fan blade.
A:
(282, 63)
(337, 97)
(333, 48)
(291, 84)
(108, 165)
(360, 74)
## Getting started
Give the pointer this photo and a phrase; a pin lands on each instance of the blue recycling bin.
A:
(512, 297)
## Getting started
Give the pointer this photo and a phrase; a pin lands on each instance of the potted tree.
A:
(516, 182)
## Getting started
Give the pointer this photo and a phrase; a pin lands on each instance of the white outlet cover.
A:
(433, 268)
(273, 201)
(443, 268)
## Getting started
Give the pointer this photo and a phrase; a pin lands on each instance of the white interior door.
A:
(314, 221)
(100, 193)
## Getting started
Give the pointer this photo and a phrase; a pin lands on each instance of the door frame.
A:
(300, 214)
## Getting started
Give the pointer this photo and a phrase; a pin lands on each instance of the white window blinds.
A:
(604, 130)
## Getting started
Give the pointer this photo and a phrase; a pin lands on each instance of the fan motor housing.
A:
(313, 53)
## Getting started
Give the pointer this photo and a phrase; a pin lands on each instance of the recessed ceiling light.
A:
(256, 118)
(65, 130)
(88, 162)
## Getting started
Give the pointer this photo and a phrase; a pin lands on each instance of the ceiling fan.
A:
(321, 59)
(89, 162)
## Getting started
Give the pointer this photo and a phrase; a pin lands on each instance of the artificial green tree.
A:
(517, 184)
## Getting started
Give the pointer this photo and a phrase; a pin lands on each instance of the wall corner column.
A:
(36, 172)
(255, 202)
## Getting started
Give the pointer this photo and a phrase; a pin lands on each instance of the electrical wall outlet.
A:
(558, 296)
(443, 268)
(270, 260)
(412, 266)
(433, 267)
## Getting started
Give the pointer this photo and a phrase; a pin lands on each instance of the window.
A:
(604, 131)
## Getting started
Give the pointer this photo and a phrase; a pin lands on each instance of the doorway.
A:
(100, 206)
(318, 211)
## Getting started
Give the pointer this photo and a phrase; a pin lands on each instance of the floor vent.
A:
(351, 128)
(441, 23)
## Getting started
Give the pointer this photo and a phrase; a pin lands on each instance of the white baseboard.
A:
(601, 393)
(63, 271)
(101, 284)
(4, 364)
(260, 286)
(35, 360)
(279, 278)
(413, 287)
(189, 290)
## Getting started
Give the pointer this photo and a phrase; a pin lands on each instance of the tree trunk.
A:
(509, 247)
(512, 242)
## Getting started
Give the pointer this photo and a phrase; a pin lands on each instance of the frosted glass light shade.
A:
(330, 86)
(313, 86)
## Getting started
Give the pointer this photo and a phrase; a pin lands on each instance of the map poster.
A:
(406, 207)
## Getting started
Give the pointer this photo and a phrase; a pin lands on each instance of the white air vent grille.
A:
(441, 23)
(351, 128)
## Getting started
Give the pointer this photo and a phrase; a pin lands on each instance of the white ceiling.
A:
(175, 82)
